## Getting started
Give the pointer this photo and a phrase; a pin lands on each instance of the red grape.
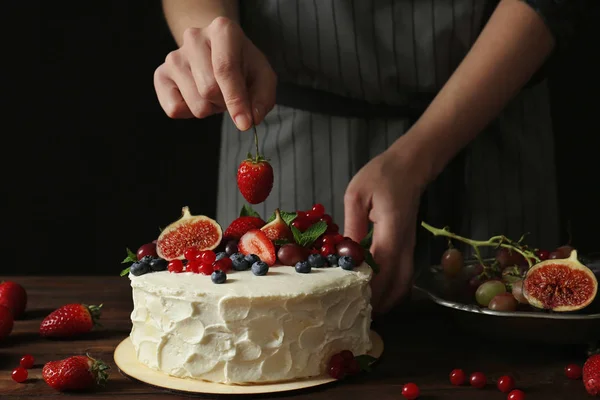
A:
(543, 255)
(517, 292)
(561, 252)
(452, 262)
(231, 247)
(291, 253)
(503, 302)
(352, 249)
(508, 258)
(506, 383)
(478, 380)
(148, 249)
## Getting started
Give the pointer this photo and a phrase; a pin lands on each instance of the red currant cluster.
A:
(200, 262)
(305, 219)
(343, 364)
(20, 373)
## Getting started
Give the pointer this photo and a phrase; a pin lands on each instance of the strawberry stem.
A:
(256, 143)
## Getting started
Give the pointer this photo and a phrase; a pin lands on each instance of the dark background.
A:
(91, 164)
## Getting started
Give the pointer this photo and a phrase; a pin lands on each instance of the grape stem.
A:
(494, 241)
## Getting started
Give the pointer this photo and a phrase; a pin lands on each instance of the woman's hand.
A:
(217, 68)
(387, 192)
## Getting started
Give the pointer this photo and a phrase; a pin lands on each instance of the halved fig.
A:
(560, 285)
(197, 231)
(278, 229)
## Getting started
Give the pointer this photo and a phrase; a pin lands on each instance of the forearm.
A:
(183, 14)
(512, 46)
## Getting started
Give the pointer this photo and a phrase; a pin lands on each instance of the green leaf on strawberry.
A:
(288, 217)
(365, 361)
(248, 211)
(306, 238)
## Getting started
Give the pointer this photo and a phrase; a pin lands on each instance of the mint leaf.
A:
(371, 261)
(366, 242)
(248, 211)
(365, 361)
(124, 272)
(131, 257)
(312, 233)
(297, 234)
(280, 242)
(288, 217)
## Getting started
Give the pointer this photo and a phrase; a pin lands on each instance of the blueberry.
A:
(158, 264)
(218, 276)
(239, 262)
(303, 267)
(220, 255)
(316, 260)
(252, 258)
(139, 268)
(346, 262)
(260, 268)
(332, 259)
(147, 259)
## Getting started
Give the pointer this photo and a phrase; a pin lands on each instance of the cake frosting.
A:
(251, 329)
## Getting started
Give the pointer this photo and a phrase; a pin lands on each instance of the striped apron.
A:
(384, 54)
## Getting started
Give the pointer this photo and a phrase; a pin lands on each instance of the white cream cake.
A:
(251, 329)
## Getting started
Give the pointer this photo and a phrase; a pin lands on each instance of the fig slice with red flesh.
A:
(560, 285)
(190, 231)
(278, 229)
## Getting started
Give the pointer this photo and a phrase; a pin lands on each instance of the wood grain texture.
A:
(423, 344)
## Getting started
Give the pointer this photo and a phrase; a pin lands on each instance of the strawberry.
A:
(256, 242)
(6, 322)
(255, 179)
(70, 320)
(591, 375)
(14, 297)
(75, 373)
(241, 225)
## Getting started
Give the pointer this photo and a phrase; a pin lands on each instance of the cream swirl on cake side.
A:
(251, 329)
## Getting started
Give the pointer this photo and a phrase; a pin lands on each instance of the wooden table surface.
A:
(422, 345)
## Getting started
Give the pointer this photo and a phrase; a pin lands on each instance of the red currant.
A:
(175, 266)
(190, 253)
(301, 215)
(337, 238)
(206, 269)
(458, 377)
(327, 219)
(319, 242)
(19, 375)
(312, 216)
(516, 395)
(346, 355)
(506, 383)
(543, 255)
(478, 380)
(301, 224)
(337, 371)
(327, 249)
(27, 361)
(411, 391)
(208, 257)
(193, 266)
(573, 371)
(333, 228)
(353, 367)
(224, 264)
(318, 209)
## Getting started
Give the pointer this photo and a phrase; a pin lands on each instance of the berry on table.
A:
(478, 380)
(332, 260)
(316, 260)
(190, 253)
(19, 375)
(458, 377)
(239, 262)
(516, 395)
(220, 255)
(175, 266)
(303, 267)
(158, 264)
(506, 383)
(260, 268)
(27, 361)
(411, 391)
(573, 371)
(346, 262)
(218, 276)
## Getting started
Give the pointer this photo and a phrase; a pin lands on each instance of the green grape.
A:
(488, 290)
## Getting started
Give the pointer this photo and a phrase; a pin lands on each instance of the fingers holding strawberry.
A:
(70, 320)
(75, 373)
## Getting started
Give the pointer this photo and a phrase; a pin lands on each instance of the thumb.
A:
(356, 215)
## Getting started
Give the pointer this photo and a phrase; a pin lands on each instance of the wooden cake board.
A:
(127, 363)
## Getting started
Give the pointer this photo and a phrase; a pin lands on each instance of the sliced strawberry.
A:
(256, 242)
(241, 225)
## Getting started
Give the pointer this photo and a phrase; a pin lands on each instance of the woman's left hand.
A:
(387, 192)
